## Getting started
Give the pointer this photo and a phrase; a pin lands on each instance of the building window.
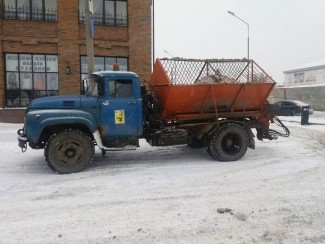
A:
(36, 10)
(299, 77)
(30, 76)
(106, 12)
(102, 63)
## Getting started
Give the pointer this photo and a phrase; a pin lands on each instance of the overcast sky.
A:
(283, 33)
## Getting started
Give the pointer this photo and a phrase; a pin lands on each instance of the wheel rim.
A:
(231, 143)
(69, 152)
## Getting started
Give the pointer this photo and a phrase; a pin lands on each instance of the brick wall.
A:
(140, 37)
(2, 86)
(66, 38)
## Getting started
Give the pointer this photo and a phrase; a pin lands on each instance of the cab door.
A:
(119, 113)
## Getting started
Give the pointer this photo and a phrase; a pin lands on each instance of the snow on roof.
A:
(308, 85)
(313, 65)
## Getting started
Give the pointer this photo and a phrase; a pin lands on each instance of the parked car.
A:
(292, 107)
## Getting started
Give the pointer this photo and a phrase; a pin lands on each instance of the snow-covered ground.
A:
(274, 194)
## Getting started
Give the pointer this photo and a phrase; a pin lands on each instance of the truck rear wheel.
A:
(229, 143)
(69, 151)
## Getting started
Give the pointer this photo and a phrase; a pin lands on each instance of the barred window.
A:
(30, 76)
(299, 77)
(106, 12)
(36, 10)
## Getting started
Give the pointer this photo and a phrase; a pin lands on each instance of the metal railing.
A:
(211, 71)
(26, 13)
(107, 19)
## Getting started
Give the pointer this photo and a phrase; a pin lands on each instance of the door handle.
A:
(132, 103)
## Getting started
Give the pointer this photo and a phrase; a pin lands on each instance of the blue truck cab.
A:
(108, 115)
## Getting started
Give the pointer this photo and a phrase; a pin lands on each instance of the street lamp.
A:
(233, 14)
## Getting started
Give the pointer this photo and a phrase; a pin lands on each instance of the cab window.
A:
(120, 88)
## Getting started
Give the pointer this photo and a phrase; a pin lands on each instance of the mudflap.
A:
(251, 136)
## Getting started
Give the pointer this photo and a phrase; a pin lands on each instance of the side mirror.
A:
(84, 85)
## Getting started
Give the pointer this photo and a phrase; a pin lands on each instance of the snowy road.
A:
(276, 194)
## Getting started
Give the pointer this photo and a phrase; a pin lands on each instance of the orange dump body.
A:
(194, 89)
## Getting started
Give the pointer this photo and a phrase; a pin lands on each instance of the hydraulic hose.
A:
(280, 124)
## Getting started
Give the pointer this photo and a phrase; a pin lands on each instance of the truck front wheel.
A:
(228, 143)
(69, 151)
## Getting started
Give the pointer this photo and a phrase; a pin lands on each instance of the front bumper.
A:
(22, 140)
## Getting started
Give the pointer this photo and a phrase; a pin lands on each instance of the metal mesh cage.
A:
(212, 71)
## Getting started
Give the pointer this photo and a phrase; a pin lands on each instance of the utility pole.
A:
(89, 23)
(153, 33)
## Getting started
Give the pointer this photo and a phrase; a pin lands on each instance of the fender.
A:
(38, 120)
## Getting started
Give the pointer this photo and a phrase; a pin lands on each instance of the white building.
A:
(306, 75)
(305, 83)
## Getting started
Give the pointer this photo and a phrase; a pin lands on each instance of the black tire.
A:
(229, 143)
(69, 151)
(291, 113)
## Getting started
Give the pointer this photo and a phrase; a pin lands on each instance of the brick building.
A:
(43, 47)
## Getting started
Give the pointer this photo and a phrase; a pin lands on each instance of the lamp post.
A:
(233, 14)
(165, 51)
